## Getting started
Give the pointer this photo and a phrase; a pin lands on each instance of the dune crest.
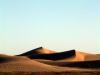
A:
(39, 50)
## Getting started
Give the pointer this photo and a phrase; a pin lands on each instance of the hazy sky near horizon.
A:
(55, 24)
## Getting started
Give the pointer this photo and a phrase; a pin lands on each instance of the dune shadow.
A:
(53, 56)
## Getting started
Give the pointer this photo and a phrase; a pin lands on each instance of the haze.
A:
(55, 24)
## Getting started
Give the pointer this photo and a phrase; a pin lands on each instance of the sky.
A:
(59, 25)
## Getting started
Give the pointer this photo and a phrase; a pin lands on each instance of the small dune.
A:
(82, 56)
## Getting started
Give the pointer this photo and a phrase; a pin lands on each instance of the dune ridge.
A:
(71, 55)
(39, 50)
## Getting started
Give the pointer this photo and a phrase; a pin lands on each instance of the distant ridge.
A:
(39, 50)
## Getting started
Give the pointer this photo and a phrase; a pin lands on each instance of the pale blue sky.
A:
(55, 24)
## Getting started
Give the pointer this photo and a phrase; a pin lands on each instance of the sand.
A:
(79, 62)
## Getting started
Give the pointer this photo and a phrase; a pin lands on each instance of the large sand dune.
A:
(71, 55)
(45, 60)
(15, 63)
(42, 53)
(24, 64)
(54, 56)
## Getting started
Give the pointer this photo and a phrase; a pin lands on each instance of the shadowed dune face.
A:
(43, 53)
(78, 56)
(84, 64)
(7, 58)
(81, 56)
(4, 58)
(54, 56)
(39, 50)
(80, 64)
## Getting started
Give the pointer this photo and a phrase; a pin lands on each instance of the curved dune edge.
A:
(39, 50)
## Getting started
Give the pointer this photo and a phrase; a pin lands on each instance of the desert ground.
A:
(42, 61)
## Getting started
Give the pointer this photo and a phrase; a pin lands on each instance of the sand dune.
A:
(87, 56)
(39, 50)
(82, 56)
(92, 57)
(53, 56)
(24, 64)
(71, 55)
(15, 63)
(82, 64)
(44, 60)
(6, 58)
(43, 53)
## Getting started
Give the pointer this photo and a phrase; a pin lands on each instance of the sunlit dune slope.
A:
(92, 57)
(15, 63)
(87, 56)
